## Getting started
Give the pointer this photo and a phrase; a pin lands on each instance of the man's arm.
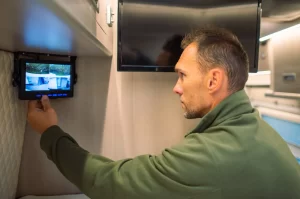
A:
(184, 171)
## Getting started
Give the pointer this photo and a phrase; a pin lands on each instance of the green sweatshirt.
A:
(231, 154)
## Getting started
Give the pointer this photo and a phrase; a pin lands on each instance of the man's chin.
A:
(191, 115)
(188, 116)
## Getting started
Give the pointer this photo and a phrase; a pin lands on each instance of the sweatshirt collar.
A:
(234, 105)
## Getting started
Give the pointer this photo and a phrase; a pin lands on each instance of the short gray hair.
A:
(220, 47)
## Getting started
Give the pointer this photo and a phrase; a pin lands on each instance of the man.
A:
(231, 154)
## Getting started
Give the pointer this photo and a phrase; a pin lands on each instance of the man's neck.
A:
(218, 98)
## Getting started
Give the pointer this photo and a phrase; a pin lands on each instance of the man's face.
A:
(191, 85)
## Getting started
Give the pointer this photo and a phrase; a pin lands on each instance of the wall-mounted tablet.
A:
(51, 77)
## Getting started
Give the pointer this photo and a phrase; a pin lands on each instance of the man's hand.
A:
(41, 115)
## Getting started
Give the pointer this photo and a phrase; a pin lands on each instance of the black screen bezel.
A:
(31, 95)
(254, 69)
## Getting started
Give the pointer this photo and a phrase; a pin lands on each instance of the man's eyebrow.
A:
(179, 70)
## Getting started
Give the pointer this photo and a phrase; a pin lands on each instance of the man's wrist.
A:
(47, 128)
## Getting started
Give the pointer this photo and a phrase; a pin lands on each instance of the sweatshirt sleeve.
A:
(184, 171)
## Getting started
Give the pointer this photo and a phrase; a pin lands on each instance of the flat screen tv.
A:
(150, 31)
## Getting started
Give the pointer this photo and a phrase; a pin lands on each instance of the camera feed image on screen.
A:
(46, 77)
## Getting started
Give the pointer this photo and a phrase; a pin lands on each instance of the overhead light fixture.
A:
(277, 33)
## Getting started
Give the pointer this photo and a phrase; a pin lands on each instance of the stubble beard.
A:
(192, 114)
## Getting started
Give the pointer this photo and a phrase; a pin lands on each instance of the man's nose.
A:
(177, 89)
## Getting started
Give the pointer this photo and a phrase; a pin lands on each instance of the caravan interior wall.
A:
(280, 55)
(12, 126)
(119, 115)
(285, 65)
(82, 116)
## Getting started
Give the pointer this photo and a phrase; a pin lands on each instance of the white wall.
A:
(12, 124)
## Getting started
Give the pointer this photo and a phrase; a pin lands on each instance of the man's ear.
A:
(216, 77)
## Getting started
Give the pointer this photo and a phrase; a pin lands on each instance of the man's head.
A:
(212, 66)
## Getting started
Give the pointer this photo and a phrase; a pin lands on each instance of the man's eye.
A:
(181, 75)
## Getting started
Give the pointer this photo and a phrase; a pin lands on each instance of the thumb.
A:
(46, 103)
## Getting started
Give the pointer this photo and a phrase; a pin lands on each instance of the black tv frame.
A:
(141, 68)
